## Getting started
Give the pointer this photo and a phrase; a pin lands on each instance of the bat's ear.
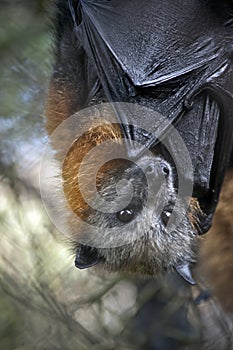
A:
(86, 257)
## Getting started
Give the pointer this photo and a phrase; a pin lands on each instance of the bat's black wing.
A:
(174, 57)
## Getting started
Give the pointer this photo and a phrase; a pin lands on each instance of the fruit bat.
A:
(174, 59)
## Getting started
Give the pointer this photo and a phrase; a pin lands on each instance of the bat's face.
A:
(137, 237)
(130, 218)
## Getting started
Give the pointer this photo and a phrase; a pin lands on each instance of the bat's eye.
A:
(125, 215)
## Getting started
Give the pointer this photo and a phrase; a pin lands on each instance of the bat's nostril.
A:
(166, 171)
(150, 169)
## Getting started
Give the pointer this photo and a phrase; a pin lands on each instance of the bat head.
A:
(130, 218)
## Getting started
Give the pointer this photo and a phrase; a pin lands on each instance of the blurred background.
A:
(45, 303)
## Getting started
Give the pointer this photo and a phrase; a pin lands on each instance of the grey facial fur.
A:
(152, 233)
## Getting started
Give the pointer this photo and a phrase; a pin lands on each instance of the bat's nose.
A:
(157, 168)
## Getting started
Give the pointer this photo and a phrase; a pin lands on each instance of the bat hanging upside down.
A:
(168, 57)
